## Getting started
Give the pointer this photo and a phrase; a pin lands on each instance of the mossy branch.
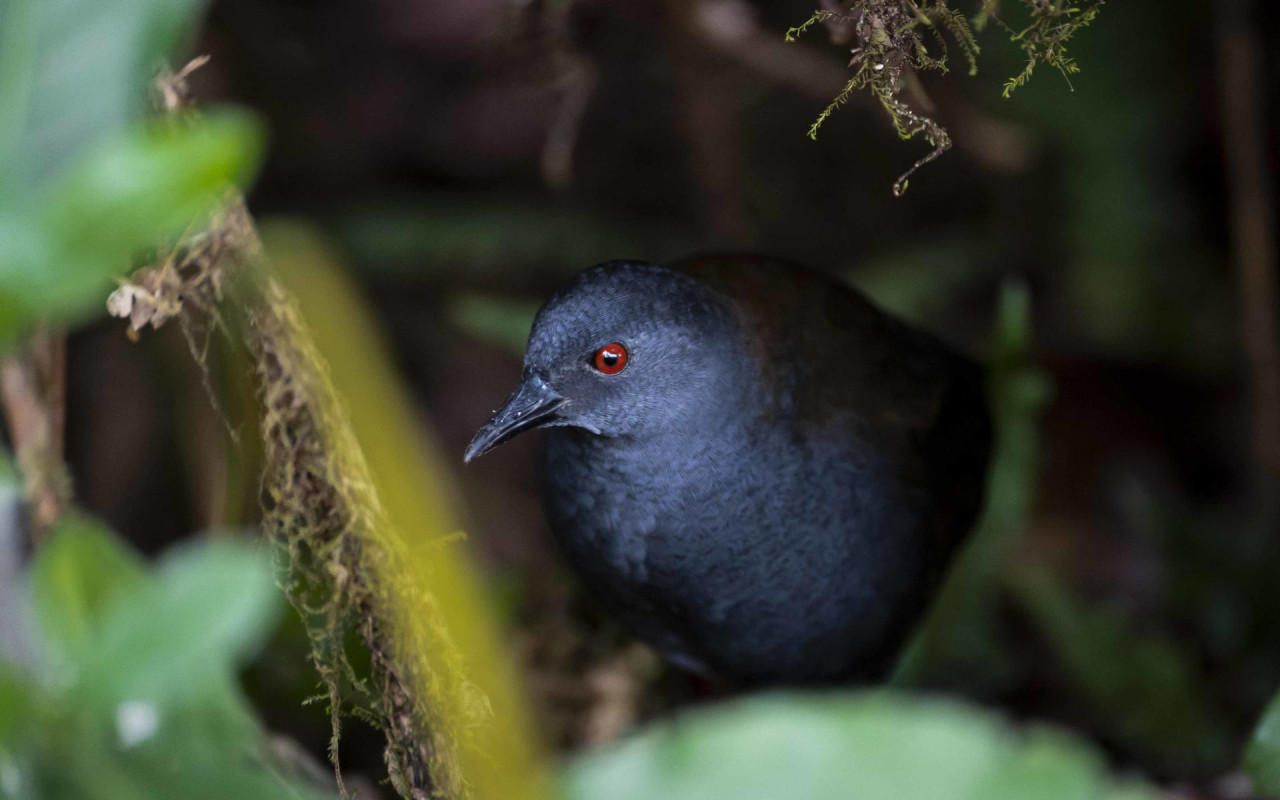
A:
(355, 565)
(320, 509)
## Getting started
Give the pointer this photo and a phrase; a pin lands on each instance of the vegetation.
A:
(894, 38)
(869, 745)
(127, 676)
(129, 685)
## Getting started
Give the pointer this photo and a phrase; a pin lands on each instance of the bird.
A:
(748, 464)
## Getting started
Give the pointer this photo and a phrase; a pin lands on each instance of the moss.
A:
(892, 46)
(322, 512)
(1043, 40)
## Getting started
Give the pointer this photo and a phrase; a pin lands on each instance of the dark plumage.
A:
(770, 485)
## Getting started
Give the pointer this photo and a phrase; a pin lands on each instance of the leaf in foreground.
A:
(868, 746)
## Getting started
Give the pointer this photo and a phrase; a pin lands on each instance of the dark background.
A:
(437, 144)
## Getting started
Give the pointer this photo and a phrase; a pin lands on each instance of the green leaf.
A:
(95, 759)
(1262, 756)
(123, 196)
(209, 608)
(17, 696)
(150, 708)
(72, 71)
(150, 181)
(868, 746)
(962, 634)
(80, 572)
(484, 234)
(207, 746)
(81, 191)
(8, 473)
(146, 705)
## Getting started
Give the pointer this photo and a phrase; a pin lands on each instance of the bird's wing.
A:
(827, 351)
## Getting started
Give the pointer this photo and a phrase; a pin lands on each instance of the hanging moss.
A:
(1044, 40)
(898, 39)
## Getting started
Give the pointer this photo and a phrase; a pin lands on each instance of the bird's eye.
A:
(610, 359)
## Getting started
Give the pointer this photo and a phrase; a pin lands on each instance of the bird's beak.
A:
(532, 404)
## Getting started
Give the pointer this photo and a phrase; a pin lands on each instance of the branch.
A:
(1252, 213)
(33, 393)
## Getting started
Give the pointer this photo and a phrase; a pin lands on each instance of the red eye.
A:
(611, 358)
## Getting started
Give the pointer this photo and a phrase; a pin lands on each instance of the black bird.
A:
(749, 464)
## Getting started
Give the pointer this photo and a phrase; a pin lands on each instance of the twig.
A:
(577, 83)
(33, 394)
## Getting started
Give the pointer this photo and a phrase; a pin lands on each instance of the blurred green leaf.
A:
(1262, 756)
(961, 636)
(209, 746)
(78, 574)
(73, 71)
(210, 606)
(1019, 394)
(8, 473)
(157, 638)
(486, 234)
(871, 746)
(918, 279)
(499, 321)
(150, 707)
(17, 696)
(59, 249)
(212, 749)
(1143, 687)
(150, 181)
(83, 189)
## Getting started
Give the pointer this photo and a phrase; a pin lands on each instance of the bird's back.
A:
(840, 365)
(832, 353)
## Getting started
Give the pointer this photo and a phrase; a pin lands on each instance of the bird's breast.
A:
(789, 554)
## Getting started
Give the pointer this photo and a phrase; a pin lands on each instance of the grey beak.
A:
(532, 404)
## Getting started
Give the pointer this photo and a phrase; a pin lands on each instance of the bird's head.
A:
(625, 349)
